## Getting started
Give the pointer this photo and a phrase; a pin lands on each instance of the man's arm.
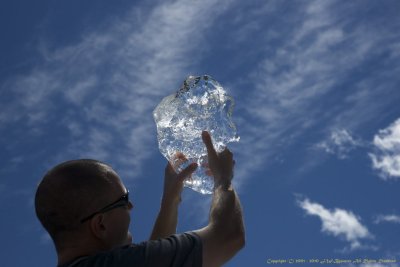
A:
(167, 219)
(224, 235)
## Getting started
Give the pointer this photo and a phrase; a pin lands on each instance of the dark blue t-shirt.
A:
(177, 250)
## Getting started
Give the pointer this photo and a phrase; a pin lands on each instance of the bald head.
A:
(69, 192)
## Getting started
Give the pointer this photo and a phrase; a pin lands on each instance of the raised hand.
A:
(220, 164)
(173, 182)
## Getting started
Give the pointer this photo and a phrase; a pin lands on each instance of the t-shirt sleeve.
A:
(183, 250)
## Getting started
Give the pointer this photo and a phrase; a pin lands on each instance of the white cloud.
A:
(389, 138)
(386, 159)
(339, 143)
(393, 218)
(339, 223)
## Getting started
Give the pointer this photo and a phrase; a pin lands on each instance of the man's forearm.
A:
(167, 220)
(226, 213)
(224, 235)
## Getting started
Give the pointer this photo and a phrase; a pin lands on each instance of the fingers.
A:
(178, 159)
(174, 166)
(187, 171)
(209, 145)
(219, 165)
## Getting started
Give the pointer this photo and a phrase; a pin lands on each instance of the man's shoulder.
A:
(189, 238)
(128, 255)
(176, 250)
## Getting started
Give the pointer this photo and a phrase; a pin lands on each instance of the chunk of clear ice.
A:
(200, 104)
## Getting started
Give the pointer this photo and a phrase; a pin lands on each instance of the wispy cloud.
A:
(391, 218)
(338, 222)
(340, 143)
(386, 159)
(312, 65)
(288, 81)
(107, 84)
(112, 79)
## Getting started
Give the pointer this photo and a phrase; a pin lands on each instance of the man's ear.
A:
(98, 227)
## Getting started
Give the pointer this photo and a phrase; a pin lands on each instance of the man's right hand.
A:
(224, 235)
(220, 164)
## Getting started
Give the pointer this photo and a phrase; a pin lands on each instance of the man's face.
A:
(117, 220)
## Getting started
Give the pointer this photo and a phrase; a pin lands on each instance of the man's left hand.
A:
(173, 181)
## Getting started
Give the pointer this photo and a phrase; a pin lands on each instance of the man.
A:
(85, 207)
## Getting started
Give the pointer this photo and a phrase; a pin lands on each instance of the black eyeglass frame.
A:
(122, 201)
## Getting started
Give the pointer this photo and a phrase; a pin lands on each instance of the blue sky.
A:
(317, 91)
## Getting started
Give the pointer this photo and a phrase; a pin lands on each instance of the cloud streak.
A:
(107, 84)
(391, 218)
(112, 79)
(339, 143)
(312, 65)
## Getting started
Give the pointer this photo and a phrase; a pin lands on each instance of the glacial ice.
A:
(200, 104)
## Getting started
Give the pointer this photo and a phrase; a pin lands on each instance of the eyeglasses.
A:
(122, 201)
